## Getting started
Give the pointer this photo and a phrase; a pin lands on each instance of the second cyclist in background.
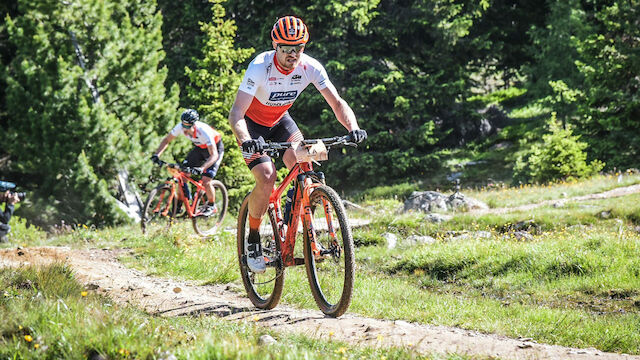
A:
(204, 158)
(271, 84)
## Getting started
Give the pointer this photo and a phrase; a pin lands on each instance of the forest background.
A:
(88, 88)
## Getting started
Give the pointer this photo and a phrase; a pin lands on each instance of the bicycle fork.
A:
(318, 250)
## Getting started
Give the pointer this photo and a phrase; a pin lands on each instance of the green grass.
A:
(545, 289)
(526, 194)
(47, 315)
(498, 194)
(576, 283)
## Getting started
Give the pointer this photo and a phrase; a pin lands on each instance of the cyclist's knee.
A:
(264, 184)
(266, 179)
(289, 158)
(264, 173)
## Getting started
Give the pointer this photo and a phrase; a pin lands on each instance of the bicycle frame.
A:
(300, 208)
(328, 252)
(179, 179)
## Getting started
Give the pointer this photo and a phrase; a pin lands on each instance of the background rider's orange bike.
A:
(326, 234)
(168, 201)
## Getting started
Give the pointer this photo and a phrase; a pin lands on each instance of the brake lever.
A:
(273, 153)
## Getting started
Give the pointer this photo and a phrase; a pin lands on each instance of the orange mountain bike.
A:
(326, 233)
(168, 201)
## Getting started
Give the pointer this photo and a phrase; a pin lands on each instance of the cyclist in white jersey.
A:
(204, 158)
(271, 84)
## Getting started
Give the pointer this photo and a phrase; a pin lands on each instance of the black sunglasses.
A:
(290, 49)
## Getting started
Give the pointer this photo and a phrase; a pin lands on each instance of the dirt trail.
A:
(101, 271)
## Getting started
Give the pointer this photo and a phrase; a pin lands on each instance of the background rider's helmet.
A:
(290, 30)
(189, 116)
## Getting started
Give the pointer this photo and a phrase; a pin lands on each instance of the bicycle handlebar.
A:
(272, 148)
(185, 169)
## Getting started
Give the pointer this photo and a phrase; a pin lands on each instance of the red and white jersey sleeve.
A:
(274, 90)
(203, 134)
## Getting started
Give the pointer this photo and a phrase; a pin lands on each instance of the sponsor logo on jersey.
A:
(283, 95)
(273, 78)
(296, 79)
(250, 82)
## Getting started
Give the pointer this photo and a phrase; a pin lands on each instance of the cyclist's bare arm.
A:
(163, 145)
(236, 116)
(340, 108)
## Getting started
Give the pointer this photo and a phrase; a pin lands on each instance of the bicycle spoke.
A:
(263, 283)
(208, 225)
(264, 289)
(158, 210)
(331, 269)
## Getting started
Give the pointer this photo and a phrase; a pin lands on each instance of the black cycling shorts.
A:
(198, 156)
(284, 130)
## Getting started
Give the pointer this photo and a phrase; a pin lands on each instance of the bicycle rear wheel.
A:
(264, 290)
(158, 212)
(329, 259)
(207, 225)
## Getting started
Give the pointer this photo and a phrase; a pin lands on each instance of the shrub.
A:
(560, 155)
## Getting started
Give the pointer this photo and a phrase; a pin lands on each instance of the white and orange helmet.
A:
(290, 30)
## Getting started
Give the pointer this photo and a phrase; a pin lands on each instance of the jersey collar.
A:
(280, 68)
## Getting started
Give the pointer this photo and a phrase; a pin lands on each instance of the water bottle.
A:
(287, 205)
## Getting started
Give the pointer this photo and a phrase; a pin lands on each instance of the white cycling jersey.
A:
(275, 89)
(203, 134)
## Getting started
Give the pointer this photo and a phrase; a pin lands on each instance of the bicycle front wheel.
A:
(264, 290)
(159, 209)
(328, 252)
(207, 225)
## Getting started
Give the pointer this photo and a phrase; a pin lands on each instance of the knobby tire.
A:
(207, 226)
(263, 295)
(160, 193)
(332, 299)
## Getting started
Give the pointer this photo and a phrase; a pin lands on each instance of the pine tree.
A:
(610, 63)
(7, 52)
(559, 155)
(213, 87)
(182, 38)
(85, 92)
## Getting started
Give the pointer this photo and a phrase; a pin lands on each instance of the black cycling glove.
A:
(156, 160)
(254, 145)
(196, 171)
(358, 136)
